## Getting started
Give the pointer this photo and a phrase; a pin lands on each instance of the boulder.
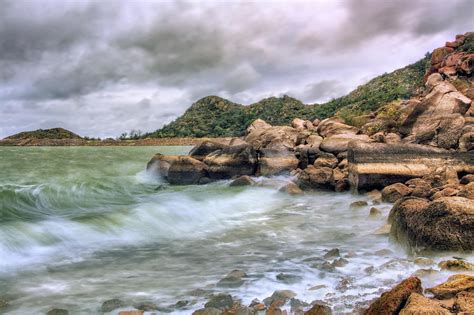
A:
(242, 181)
(277, 138)
(201, 150)
(258, 124)
(455, 284)
(292, 189)
(466, 179)
(319, 309)
(327, 160)
(417, 304)
(445, 224)
(160, 164)
(339, 142)
(298, 123)
(233, 279)
(317, 177)
(186, 171)
(277, 164)
(110, 305)
(280, 297)
(314, 140)
(456, 265)
(467, 191)
(393, 301)
(420, 187)
(57, 311)
(331, 126)
(407, 206)
(394, 192)
(465, 302)
(438, 55)
(438, 118)
(230, 161)
(220, 301)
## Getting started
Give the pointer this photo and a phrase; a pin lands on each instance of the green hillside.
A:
(53, 133)
(213, 116)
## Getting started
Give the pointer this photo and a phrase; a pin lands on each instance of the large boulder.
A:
(187, 171)
(160, 164)
(393, 301)
(316, 177)
(232, 160)
(339, 142)
(332, 126)
(438, 118)
(258, 124)
(444, 224)
(453, 286)
(203, 149)
(407, 205)
(417, 304)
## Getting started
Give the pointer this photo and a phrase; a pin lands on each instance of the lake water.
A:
(81, 225)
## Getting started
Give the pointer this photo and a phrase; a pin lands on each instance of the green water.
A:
(80, 225)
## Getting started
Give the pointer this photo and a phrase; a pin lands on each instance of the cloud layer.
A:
(101, 68)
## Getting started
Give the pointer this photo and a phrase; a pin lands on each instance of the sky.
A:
(100, 68)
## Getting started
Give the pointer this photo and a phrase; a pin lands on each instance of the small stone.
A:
(332, 253)
(375, 195)
(208, 311)
(374, 212)
(317, 287)
(425, 272)
(456, 265)
(423, 261)
(112, 304)
(358, 204)
(220, 301)
(57, 311)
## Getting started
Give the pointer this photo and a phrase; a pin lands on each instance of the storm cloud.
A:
(101, 68)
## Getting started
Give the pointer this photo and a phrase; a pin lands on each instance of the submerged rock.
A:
(392, 302)
(57, 311)
(233, 279)
(242, 181)
(220, 301)
(292, 189)
(358, 204)
(279, 297)
(111, 305)
(146, 306)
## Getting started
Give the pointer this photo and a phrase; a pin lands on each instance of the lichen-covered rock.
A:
(456, 265)
(406, 207)
(417, 304)
(394, 192)
(454, 285)
(393, 301)
(445, 224)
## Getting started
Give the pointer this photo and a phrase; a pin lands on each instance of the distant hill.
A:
(53, 133)
(213, 116)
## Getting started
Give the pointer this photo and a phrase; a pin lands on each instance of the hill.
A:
(53, 133)
(213, 116)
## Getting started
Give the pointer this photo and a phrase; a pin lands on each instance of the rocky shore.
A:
(417, 154)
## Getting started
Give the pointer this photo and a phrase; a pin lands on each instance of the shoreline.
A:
(109, 142)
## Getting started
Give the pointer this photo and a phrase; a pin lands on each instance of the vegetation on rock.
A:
(53, 133)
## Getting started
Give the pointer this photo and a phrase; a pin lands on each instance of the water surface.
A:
(80, 225)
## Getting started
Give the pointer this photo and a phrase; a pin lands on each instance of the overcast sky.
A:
(100, 68)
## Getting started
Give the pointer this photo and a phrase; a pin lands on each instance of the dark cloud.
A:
(139, 64)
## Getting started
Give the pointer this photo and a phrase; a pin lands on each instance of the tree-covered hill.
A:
(213, 116)
(53, 133)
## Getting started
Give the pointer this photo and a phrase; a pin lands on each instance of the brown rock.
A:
(135, 312)
(465, 302)
(339, 142)
(327, 160)
(314, 140)
(319, 309)
(242, 181)
(393, 301)
(406, 207)
(292, 189)
(447, 192)
(394, 192)
(438, 55)
(201, 150)
(161, 163)
(467, 191)
(374, 212)
(445, 224)
(456, 265)
(258, 124)
(342, 185)
(186, 171)
(320, 177)
(331, 126)
(453, 286)
(298, 123)
(417, 304)
(231, 160)
(466, 179)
